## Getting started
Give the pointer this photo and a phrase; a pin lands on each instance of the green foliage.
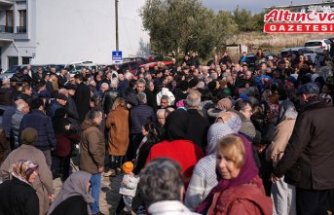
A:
(179, 26)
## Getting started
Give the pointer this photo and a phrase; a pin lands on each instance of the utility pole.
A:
(116, 20)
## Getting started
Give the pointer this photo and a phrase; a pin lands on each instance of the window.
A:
(26, 60)
(22, 28)
(9, 21)
(12, 61)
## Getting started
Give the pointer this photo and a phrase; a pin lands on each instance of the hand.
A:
(101, 169)
(51, 197)
(274, 178)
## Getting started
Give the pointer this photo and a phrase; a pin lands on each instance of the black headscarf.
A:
(176, 125)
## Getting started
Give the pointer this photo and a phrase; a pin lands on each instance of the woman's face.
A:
(32, 177)
(144, 132)
(226, 167)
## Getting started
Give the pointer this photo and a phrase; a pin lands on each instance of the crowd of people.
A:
(221, 138)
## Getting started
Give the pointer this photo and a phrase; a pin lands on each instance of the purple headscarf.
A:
(248, 171)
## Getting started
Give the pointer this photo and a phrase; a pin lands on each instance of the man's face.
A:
(161, 119)
(98, 119)
(62, 102)
(53, 70)
(26, 108)
(140, 87)
(63, 71)
(164, 103)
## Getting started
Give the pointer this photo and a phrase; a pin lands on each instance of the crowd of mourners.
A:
(221, 138)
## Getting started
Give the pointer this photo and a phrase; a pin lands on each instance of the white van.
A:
(318, 46)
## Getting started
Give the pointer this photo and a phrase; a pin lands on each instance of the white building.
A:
(63, 31)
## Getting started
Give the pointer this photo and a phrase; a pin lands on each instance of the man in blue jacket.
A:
(38, 120)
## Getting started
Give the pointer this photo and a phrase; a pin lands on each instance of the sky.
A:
(252, 5)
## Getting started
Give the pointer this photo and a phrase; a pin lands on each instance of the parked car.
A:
(132, 66)
(139, 60)
(9, 72)
(75, 67)
(319, 46)
(296, 51)
(157, 63)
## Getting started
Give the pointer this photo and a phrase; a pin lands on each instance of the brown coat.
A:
(43, 184)
(4, 146)
(118, 123)
(281, 138)
(91, 148)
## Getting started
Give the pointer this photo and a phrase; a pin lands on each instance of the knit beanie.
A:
(127, 167)
(28, 136)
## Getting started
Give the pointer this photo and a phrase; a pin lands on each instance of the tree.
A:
(178, 26)
(243, 19)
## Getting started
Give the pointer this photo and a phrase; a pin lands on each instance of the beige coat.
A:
(91, 148)
(281, 138)
(118, 124)
(43, 184)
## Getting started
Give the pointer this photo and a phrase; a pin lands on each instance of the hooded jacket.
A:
(92, 148)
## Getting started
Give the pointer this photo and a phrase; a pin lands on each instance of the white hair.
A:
(161, 111)
(128, 75)
(114, 83)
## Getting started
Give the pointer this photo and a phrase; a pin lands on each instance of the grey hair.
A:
(165, 97)
(114, 83)
(194, 99)
(141, 81)
(128, 75)
(142, 98)
(160, 180)
(20, 105)
(161, 111)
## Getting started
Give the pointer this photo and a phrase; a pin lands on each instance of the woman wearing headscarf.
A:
(43, 184)
(74, 197)
(17, 195)
(282, 193)
(204, 177)
(240, 189)
(177, 147)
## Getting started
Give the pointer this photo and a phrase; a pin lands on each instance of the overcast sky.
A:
(252, 5)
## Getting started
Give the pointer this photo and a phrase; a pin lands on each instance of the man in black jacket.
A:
(81, 97)
(309, 157)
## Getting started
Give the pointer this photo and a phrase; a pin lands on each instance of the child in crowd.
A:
(129, 185)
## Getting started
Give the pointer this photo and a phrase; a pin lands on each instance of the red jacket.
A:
(185, 152)
(247, 199)
(64, 144)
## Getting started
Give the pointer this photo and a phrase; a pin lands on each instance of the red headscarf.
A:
(248, 171)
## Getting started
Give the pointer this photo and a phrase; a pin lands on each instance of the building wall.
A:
(65, 31)
(77, 30)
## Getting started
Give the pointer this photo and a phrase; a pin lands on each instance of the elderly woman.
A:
(283, 194)
(17, 195)
(74, 197)
(204, 176)
(240, 189)
(164, 196)
(118, 125)
(27, 151)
